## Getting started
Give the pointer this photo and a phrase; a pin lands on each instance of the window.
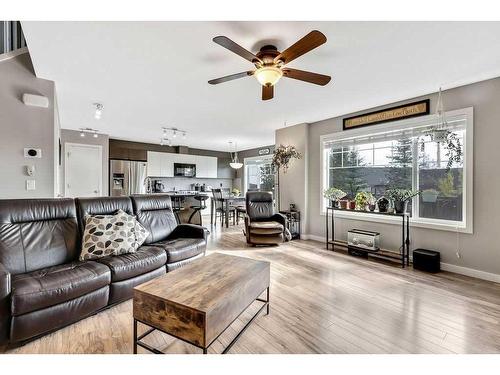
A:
(408, 154)
(259, 174)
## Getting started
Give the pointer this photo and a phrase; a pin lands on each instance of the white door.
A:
(83, 170)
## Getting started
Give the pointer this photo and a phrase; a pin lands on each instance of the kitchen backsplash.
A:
(180, 183)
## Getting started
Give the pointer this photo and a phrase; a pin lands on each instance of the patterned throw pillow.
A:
(106, 235)
(141, 234)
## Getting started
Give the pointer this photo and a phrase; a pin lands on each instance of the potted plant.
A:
(236, 192)
(372, 203)
(383, 204)
(429, 195)
(400, 198)
(282, 157)
(334, 195)
(453, 145)
(362, 199)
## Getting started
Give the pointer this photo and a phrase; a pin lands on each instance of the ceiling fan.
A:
(270, 63)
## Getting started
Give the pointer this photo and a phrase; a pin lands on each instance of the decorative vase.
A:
(343, 204)
(352, 205)
(371, 207)
(383, 204)
(400, 206)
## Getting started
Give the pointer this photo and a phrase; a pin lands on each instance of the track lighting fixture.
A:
(85, 131)
(173, 132)
(98, 110)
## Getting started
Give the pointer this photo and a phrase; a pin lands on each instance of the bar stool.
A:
(201, 206)
(177, 206)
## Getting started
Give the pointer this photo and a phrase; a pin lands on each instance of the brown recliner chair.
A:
(262, 225)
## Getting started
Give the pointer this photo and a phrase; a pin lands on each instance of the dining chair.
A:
(219, 211)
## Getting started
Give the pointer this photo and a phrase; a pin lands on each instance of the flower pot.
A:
(383, 204)
(334, 204)
(371, 207)
(343, 204)
(352, 205)
(400, 206)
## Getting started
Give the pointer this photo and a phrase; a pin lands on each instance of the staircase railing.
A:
(11, 36)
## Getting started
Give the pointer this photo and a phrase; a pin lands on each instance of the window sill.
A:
(419, 223)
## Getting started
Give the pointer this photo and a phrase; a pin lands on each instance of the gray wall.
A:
(294, 183)
(73, 136)
(480, 250)
(24, 126)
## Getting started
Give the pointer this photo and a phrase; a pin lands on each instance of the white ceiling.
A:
(153, 74)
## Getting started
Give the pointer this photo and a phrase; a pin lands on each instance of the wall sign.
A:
(415, 109)
(264, 151)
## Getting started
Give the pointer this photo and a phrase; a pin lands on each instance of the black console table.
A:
(403, 254)
(293, 223)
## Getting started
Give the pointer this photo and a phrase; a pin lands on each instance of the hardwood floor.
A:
(323, 302)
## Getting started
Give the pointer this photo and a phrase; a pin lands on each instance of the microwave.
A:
(184, 170)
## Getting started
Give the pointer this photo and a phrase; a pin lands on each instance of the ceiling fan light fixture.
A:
(268, 75)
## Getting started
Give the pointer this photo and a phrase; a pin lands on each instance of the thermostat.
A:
(33, 153)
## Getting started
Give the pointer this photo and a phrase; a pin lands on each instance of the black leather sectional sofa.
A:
(43, 285)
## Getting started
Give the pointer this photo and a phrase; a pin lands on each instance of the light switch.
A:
(30, 185)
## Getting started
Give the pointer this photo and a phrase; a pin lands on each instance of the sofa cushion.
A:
(265, 227)
(37, 233)
(101, 206)
(108, 235)
(154, 212)
(54, 285)
(182, 248)
(126, 266)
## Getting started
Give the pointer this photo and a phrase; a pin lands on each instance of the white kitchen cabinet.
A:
(167, 164)
(161, 164)
(206, 167)
(154, 164)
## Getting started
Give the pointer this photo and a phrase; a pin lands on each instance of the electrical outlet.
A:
(30, 185)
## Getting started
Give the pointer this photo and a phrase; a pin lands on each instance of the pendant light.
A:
(440, 131)
(235, 163)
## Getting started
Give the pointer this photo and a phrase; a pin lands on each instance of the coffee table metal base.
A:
(138, 342)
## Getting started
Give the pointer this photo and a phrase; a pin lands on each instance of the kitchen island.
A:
(182, 203)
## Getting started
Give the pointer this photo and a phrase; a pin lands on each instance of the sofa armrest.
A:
(280, 218)
(5, 289)
(188, 231)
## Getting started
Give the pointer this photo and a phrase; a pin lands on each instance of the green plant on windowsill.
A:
(400, 197)
(334, 195)
(362, 199)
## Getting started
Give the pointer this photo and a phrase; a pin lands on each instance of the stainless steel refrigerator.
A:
(127, 177)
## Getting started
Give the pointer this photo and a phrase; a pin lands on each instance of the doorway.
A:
(82, 170)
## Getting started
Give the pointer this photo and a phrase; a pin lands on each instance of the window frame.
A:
(466, 226)
(246, 162)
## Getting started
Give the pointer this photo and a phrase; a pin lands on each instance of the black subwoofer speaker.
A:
(426, 260)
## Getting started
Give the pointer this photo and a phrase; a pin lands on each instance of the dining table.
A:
(227, 202)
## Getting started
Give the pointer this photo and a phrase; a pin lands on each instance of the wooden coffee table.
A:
(199, 301)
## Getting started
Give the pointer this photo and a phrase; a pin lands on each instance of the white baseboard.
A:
(312, 237)
(444, 266)
(471, 272)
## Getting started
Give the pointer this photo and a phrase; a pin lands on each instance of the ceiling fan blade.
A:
(236, 48)
(230, 77)
(302, 75)
(309, 42)
(267, 92)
